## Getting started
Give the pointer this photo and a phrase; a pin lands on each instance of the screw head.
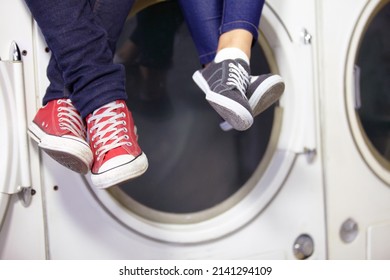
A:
(349, 230)
(303, 247)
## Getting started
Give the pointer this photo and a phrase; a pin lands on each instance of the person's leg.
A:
(239, 39)
(226, 78)
(111, 16)
(203, 19)
(111, 128)
(58, 127)
(83, 50)
(111, 21)
(221, 25)
(239, 30)
(209, 21)
(239, 25)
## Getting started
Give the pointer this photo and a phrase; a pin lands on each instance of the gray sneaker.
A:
(225, 85)
(262, 92)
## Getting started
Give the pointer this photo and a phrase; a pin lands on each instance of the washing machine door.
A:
(204, 183)
(368, 98)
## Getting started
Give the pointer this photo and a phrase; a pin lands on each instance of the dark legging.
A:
(208, 19)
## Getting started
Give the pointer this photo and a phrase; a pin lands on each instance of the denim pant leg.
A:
(203, 19)
(111, 20)
(208, 19)
(56, 88)
(111, 15)
(243, 14)
(81, 49)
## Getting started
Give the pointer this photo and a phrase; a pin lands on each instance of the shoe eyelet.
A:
(125, 130)
(122, 105)
(124, 122)
(123, 114)
(128, 144)
(127, 137)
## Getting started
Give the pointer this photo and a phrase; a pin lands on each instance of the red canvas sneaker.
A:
(113, 140)
(60, 132)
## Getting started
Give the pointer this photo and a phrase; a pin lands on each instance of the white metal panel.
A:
(22, 235)
(353, 190)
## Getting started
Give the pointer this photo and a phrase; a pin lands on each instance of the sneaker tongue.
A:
(106, 120)
(106, 134)
(245, 65)
(70, 120)
(106, 126)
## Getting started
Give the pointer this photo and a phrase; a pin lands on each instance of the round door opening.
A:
(193, 164)
(373, 90)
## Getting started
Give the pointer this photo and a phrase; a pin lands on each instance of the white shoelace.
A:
(69, 118)
(107, 130)
(238, 77)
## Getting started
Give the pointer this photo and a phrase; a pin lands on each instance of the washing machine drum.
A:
(193, 164)
(373, 60)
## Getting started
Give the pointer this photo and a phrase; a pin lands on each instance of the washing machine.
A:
(208, 193)
(21, 217)
(354, 81)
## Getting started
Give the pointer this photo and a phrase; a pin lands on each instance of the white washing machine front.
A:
(20, 205)
(276, 213)
(355, 94)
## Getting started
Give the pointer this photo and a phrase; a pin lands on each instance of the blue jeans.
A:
(82, 35)
(208, 19)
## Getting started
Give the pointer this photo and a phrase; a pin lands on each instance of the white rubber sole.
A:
(231, 111)
(71, 152)
(266, 94)
(122, 173)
